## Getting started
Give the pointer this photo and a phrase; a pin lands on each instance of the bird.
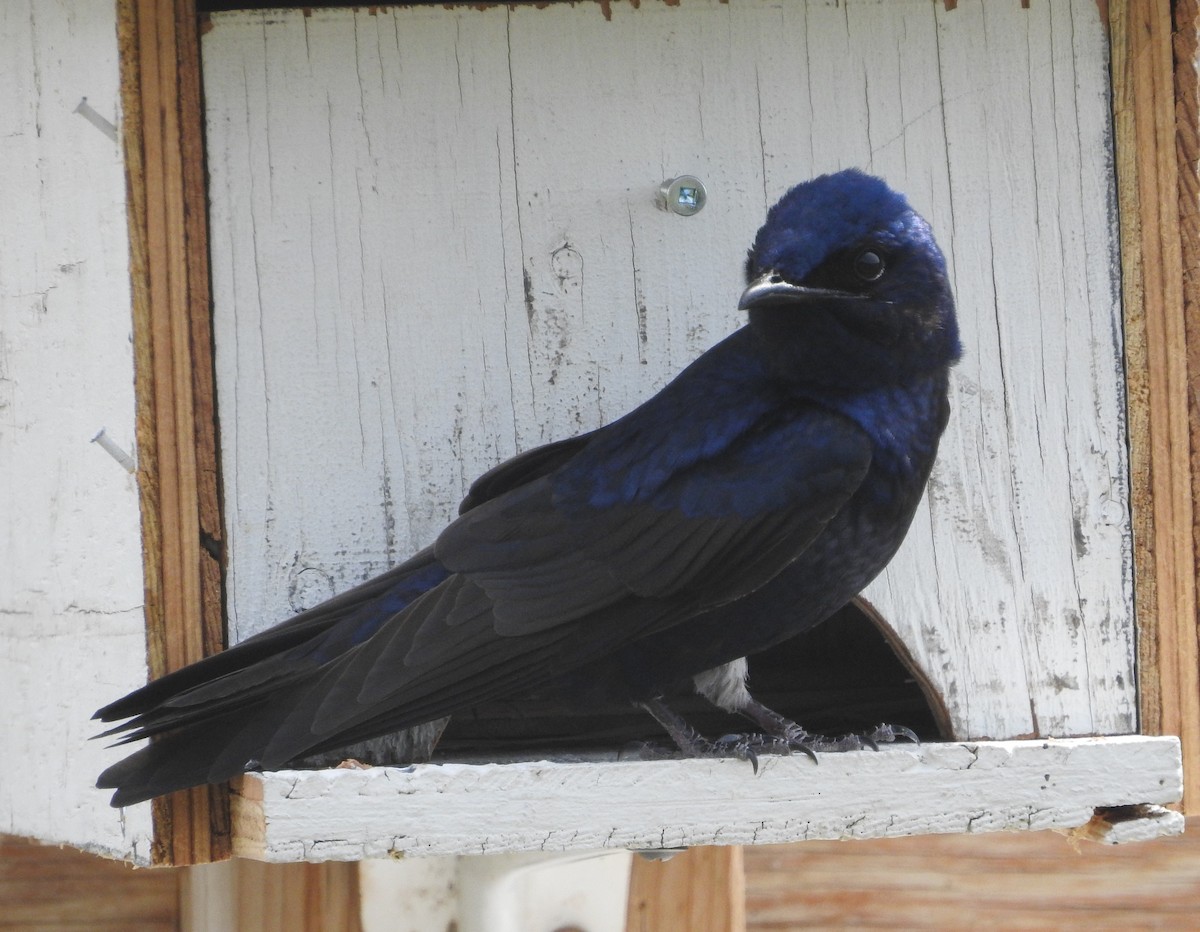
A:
(754, 495)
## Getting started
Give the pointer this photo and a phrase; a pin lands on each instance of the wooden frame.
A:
(178, 471)
(1186, 682)
(1157, 184)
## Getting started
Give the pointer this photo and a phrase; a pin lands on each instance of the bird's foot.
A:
(749, 746)
(793, 739)
(796, 738)
(880, 734)
(694, 744)
(779, 736)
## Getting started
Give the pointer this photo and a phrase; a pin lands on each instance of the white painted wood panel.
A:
(72, 631)
(443, 809)
(435, 244)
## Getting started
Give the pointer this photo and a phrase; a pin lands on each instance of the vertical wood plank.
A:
(304, 897)
(700, 890)
(176, 424)
(1186, 47)
(1150, 188)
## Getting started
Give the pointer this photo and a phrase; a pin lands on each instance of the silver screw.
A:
(684, 195)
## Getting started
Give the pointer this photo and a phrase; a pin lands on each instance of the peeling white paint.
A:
(453, 809)
(72, 629)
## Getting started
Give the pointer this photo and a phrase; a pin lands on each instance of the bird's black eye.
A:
(869, 265)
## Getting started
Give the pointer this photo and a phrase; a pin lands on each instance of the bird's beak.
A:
(771, 290)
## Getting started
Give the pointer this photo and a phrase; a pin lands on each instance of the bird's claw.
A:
(739, 746)
(889, 734)
(805, 748)
(899, 731)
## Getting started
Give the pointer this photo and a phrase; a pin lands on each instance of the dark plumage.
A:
(745, 502)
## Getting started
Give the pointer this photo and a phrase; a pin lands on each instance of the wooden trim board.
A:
(1150, 186)
(176, 421)
(1186, 45)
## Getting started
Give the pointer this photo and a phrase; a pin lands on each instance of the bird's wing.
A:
(655, 518)
(551, 575)
(544, 580)
(520, 469)
(708, 517)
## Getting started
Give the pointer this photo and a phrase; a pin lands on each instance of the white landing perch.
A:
(452, 809)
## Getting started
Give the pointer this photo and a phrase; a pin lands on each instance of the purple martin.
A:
(747, 501)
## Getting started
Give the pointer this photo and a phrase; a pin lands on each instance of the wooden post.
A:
(172, 333)
(700, 890)
(244, 894)
(1187, 149)
(1151, 185)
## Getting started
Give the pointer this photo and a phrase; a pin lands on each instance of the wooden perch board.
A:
(441, 809)
(435, 244)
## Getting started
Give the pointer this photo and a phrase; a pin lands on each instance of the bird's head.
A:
(847, 287)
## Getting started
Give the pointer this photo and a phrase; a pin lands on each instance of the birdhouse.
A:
(303, 274)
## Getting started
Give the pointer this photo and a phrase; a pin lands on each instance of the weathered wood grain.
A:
(440, 809)
(71, 619)
(698, 890)
(1152, 183)
(1030, 881)
(1186, 62)
(434, 244)
(177, 479)
(44, 888)
(242, 894)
